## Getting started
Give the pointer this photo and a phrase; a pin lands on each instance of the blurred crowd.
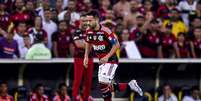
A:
(153, 28)
(61, 93)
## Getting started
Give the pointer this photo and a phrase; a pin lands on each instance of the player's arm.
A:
(115, 46)
(88, 47)
(80, 43)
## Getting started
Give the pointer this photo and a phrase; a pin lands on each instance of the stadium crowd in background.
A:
(155, 29)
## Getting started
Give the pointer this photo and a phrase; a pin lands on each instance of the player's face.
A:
(63, 90)
(3, 88)
(83, 23)
(91, 22)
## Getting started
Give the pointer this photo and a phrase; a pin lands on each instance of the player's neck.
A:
(97, 27)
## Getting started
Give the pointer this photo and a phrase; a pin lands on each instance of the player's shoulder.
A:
(106, 29)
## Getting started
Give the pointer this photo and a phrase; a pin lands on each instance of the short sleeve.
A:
(77, 35)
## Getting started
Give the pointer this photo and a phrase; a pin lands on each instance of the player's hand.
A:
(85, 62)
(104, 60)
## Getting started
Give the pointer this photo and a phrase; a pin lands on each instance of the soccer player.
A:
(62, 93)
(79, 70)
(105, 45)
(4, 92)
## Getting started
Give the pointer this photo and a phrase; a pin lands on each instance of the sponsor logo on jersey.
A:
(99, 47)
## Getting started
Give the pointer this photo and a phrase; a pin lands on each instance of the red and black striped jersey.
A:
(102, 42)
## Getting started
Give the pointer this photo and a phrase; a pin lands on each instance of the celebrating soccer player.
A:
(105, 45)
(79, 70)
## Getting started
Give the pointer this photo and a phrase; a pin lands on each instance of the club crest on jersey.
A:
(100, 38)
(95, 37)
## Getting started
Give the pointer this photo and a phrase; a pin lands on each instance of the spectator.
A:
(124, 38)
(150, 41)
(30, 9)
(74, 16)
(181, 46)
(59, 7)
(4, 17)
(27, 45)
(186, 7)
(121, 8)
(165, 8)
(167, 94)
(198, 9)
(109, 20)
(49, 26)
(38, 94)
(55, 16)
(166, 49)
(20, 15)
(4, 96)
(148, 7)
(142, 25)
(136, 32)
(62, 93)
(104, 6)
(130, 19)
(38, 50)
(196, 22)
(37, 29)
(19, 32)
(196, 43)
(62, 41)
(119, 26)
(175, 24)
(8, 47)
(195, 95)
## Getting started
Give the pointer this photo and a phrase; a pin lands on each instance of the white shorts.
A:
(106, 72)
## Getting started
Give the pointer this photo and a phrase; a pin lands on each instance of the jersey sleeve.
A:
(77, 35)
(110, 35)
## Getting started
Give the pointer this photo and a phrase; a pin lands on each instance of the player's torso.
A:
(100, 44)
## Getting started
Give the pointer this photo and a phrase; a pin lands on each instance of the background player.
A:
(79, 68)
(105, 45)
